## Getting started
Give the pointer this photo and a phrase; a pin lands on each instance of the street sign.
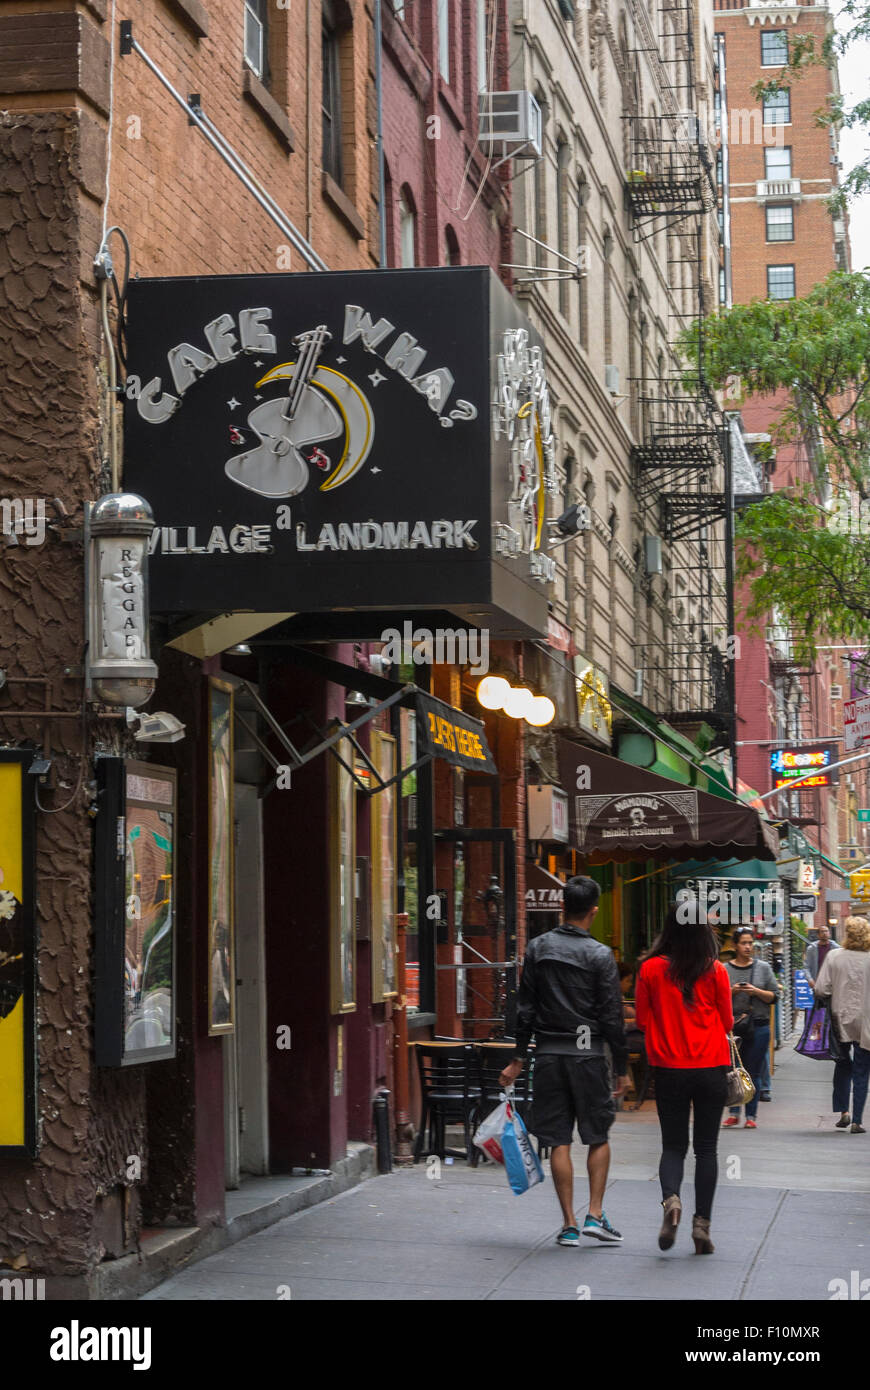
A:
(803, 995)
(856, 725)
(864, 813)
(803, 902)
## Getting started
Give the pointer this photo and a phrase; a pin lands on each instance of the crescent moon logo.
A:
(355, 412)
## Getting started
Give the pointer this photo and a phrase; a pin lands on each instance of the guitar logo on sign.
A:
(321, 404)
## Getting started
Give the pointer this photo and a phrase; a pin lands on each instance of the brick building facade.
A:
(782, 167)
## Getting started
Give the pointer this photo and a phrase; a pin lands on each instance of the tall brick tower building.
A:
(776, 173)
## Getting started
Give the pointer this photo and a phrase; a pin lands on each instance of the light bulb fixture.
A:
(518, 701)
(541, 712)
(492, 692)
(356, 700)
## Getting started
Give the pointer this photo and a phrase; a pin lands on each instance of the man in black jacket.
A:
(571, 1001)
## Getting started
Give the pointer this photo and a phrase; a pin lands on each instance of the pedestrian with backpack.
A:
(753, 989)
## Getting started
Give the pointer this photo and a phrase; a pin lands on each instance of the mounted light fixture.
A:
(119, 668)
(492, 692)
(541, 712)
(356, 700)
(518, 701)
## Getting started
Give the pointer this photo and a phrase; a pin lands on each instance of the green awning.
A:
(728, 868)
(831, 865)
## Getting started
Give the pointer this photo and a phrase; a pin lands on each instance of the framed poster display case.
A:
(18, 1112)
(135, 1007)
(383, 877)
(342, 881)
(221, 925)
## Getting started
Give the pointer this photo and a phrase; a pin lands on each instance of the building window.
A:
(777, 109)
(444, 39)
(607, 251)
(562, 160)
(331, 100)
(482, 52)
(452, 254)
(719, 168)
(407, 230)
(780, 223)
(777, 162)
(722, 294)
(399, 8)
(583, 248)
(567, 8)
(255, 37)
(774, 48)
(780, 282)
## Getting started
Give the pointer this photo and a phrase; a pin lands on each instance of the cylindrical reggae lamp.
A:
(119, 668)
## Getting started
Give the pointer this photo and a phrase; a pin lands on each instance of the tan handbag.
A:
(740, 1089)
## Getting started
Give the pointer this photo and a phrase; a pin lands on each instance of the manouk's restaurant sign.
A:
(341, 440)
(624, 812)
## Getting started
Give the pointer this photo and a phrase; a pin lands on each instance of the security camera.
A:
(156, 727)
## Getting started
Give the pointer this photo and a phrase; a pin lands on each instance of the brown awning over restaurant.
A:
(619, 812)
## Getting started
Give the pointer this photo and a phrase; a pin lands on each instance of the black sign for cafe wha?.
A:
(331, 441)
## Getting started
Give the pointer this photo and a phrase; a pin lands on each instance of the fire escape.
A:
(793, 686)
(681, 458)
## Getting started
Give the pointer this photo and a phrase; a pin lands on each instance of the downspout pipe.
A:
(382, 182)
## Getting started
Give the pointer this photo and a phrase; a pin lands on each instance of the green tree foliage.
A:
(805, 550)
(805, 51)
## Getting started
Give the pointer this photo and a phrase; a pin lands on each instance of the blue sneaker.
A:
(569, 1235)
(599, 1228)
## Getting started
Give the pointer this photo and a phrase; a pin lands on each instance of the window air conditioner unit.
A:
(611, 379)
(836, 692)
(510, 124)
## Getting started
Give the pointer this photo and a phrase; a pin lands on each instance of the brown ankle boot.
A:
(673, 1208)
(701, 1235)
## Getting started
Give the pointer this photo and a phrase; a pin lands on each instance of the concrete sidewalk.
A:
(792, 1214)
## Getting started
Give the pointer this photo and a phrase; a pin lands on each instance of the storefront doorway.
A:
(476, 964)
(246, 1113)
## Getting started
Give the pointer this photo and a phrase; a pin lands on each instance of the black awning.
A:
(621, 812)
(446, 732)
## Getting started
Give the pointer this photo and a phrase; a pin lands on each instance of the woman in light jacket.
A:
(844, 982)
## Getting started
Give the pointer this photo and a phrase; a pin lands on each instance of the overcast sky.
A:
(854, 145)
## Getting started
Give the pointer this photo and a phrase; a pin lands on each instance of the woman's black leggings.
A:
(678, 1090)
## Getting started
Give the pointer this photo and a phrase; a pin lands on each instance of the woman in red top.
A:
(684, 1008)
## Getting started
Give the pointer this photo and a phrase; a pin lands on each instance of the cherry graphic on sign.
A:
(320, 460)
(236, 436)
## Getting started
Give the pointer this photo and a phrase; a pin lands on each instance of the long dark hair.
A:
(691, 949)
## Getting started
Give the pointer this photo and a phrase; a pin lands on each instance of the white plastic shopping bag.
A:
(489, 1133)
(521, 1163)
(503, 1136)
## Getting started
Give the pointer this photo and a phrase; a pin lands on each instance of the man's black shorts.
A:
(568, 1089)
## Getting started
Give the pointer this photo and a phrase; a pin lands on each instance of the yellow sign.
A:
(593, 699)
(859, 887)
(16, 1120)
